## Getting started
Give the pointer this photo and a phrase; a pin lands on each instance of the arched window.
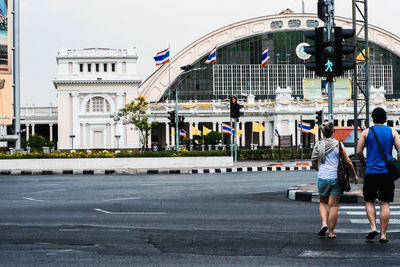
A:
(97, 105)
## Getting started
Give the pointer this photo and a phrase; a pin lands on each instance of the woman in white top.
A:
(325, 159)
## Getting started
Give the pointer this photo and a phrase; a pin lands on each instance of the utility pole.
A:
(16, 73)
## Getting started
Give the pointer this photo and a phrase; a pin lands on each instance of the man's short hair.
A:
(379, 115)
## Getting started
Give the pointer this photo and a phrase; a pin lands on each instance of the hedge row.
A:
(243, 154)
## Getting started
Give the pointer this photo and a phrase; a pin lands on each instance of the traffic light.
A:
(342, 50)
(181, 122)
(328, 60)
(318, 36)
(233, 101)
(171, 118)
(320, 117)
(235, 108)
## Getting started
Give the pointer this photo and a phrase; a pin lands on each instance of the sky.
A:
(48, 25)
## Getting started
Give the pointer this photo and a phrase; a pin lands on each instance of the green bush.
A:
(243, 154)
(37, 142)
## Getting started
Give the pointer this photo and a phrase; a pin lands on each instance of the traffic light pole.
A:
(177, 132)
(236, 142)
(329, 25)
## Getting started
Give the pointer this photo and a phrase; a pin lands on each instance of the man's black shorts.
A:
(378, 185)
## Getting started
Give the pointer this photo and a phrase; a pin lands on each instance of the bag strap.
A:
(379, 145)
(340, 154)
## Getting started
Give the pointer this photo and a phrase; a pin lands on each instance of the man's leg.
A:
(333, 213)
(371, 213)
(384, 218)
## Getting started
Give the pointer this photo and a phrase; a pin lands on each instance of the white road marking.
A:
(130, 213)
(32, 199)
(392, 221)
(397, 212)
(117, 199)
(46, 191)
(346, 254)
(363, 207)
(46, 184)
(361, 231)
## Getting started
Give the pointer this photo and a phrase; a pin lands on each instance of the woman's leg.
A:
(324, 209)
(333, 213)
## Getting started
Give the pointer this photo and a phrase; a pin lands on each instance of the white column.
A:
(27, 131)
(51, 131)
(113, 140)
(260, 136)
(75, 120)
(214, 127)
(91, 138)
(33, 129)
(149, 140)
(243, 134)
(268, 133)
(167, 134)
(119, 127)
(345, 123)
(219, 127)
(190, 130)
(84, 145)
(105, 136)
(292, 130)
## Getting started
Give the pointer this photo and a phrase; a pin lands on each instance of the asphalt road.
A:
(240, 219)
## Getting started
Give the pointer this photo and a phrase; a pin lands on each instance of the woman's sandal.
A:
(323, 231)
(331, 236)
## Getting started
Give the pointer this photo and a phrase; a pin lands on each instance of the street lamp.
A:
(186, 69)
(72, 140)
(117, 137)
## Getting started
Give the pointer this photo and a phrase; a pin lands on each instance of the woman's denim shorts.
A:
(328, 187)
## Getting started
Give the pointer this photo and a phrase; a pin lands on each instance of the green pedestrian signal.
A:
(329, 66)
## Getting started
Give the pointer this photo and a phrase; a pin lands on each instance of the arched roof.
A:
(154, 87)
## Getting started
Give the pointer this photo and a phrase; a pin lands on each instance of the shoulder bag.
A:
(343, 172)
(393, 165)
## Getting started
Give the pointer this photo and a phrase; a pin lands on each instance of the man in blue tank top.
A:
(378, 182)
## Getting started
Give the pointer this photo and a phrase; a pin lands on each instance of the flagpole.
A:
(169, 68)
(301, 139)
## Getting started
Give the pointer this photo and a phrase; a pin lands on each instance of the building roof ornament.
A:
(97, 52)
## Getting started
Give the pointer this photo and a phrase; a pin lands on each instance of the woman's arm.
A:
(314, 164)
(349, 163)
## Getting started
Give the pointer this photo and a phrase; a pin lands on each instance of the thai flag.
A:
(162, 57)
(306, 127)
(227, 129)
(213, 56)
(264, 58)
(183, 133)
(276, 132)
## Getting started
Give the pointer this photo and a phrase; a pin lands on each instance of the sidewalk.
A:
(242, 166)
(309, 192)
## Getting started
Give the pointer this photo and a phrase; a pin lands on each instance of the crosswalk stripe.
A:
(363, 207)
(361, 221)
(397, 212)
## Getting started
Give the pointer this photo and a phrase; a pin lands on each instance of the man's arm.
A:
(396, 142)
(360, 146)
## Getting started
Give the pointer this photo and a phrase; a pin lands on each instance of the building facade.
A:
(93, 84)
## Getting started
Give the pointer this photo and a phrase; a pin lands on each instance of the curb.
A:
(155, 171)
(295, 193)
